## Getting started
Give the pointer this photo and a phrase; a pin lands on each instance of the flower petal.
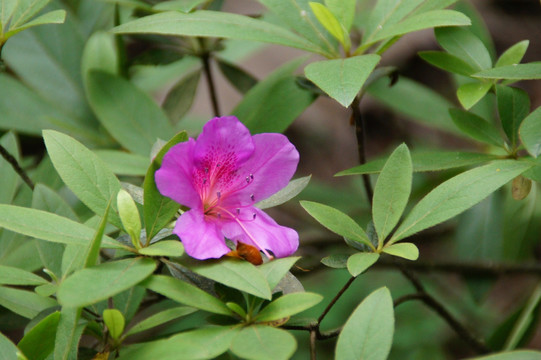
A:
(202, 239)
(281, 240)
(272, 165)
(222, 136)
(174, 178)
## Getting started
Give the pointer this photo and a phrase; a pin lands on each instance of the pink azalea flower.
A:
(220, 176)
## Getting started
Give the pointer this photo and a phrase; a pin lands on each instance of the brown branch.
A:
(313, 337)
(15, 165)
(205, 58)
(360, 131)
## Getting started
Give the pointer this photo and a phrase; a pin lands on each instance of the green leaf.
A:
(368, 333)
(240, 79)
(426, 107)
(331, 24)
(179, 5)
(336, 221)
(158, 210)
(23, 11)
(514, 54)
(68, 334)
(524, 321)
(160, 318)
(91, 285)
(465, 45)
(129, 215)
(457, 195)
(7, 348)
(447, 62)
(124, 163)
(172, 248)
(476, 127)
(24, 303)
(292, 189)
(512, 355)
(404, 250)
(180, 98)
(100, 53)
(265, 109)
(10, 179)
(83, 172)
(288, 305)
(114, 320)
(92, 255)
(263, 343)
(50, 227)
(15, 276)
(38, 343)
(469, 94)
(216, 24)
(275, 270)
(343, 10)
(529, 71)
(203, 343)
(530, 132)
(392, 192)
(513, 107)
(423, 160)
(336, 261)
(185, 293)
(52, 17)
(360, 262)
(128, 113)
(427, 20)
(342, 79)
(235, 273)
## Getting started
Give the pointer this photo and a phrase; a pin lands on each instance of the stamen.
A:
(219, 215)
(206, 170)
(238, 211)
(218, 194)
(254, 216)
(249, 178)
(252, 197)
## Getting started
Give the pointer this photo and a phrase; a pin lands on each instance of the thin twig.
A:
(313, 336)
(205, 58)
(15, 165)
(358, 120)
(475, 343)
(331, 304)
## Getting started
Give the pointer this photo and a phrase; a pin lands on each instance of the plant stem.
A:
(313, 336)
(331, 304)
(476, 344)
(358, 121)
(205, 58)
(15, 165)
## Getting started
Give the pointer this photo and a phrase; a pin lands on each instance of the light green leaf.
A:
(275, 270)
(513, 107)
(185, 293)
(24, 303)
(129, 215)
(342, 79)
(447, 62)
(263, 343)
(124, 163)
(292, 189)
(161, 318)
(92, 254)
(114, 320)
(50, 227)
(216, 24)
(343, 10)
(171, 248)
(512, 355)
(458, 194)
(7, 348)
(68, 334)
(265, 109)
(514, 54)
(83, 172)
(235, 273)
(392, 192)
(530, 132)
(52, 17)
(368, 333)
(178, 5)
(203, 343)
(469, 94)
(128, 113)
(465, 45)
(24, 11)
(15, 276)
(423, 160)
(329, 22)
(100, 53)
(404, 250)
(427, 20)
(88, 286)
(360, 262)
(158, 210)
(529, 71)
(38, 343)
(336, 221)
(476, 127)
(288, 305)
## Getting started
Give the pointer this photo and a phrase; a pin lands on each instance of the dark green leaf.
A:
(10, 179)
(180, 98)
(25, 303)
(93, 249)
(160, 318)
(337, 261)
(263, 343)
(289, 192)
(476, 127)
(530, 132)
(512, 355)
(15, 276)
(447, 62)
(38, 343)
(513, 107)
(240, 79)
(529, 71)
